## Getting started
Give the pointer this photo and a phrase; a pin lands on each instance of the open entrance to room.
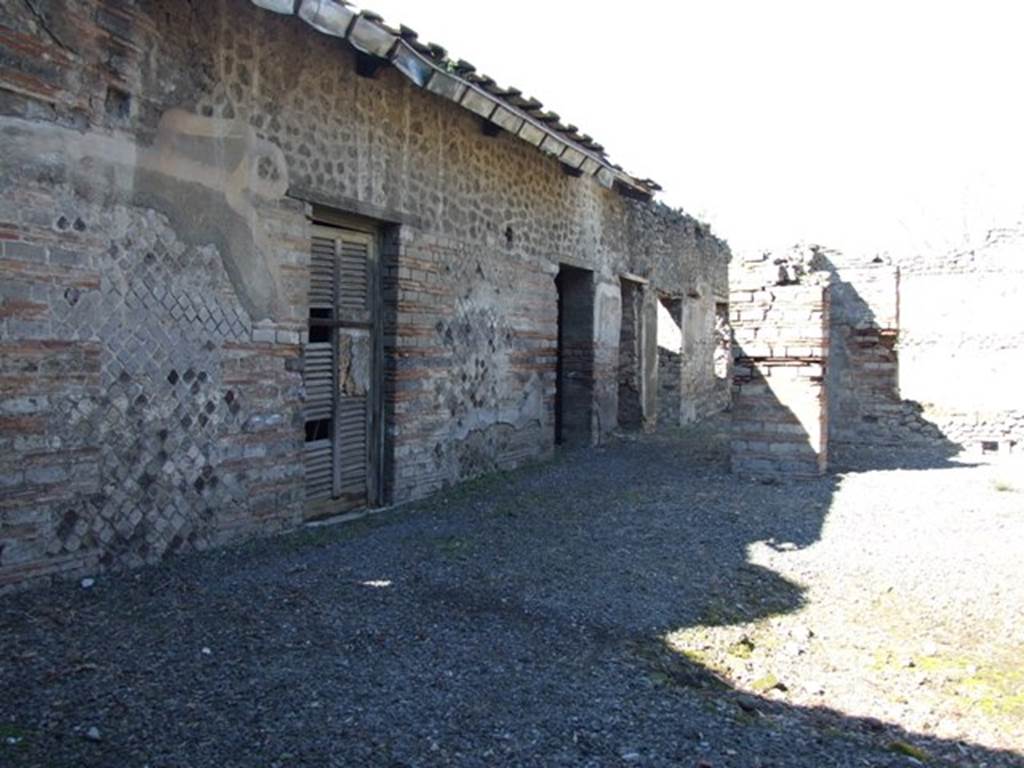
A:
(723, 344)
(342, 368)
(670, 360)
(574, 388)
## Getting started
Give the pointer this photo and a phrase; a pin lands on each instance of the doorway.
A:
(574, 387)
(341, 371)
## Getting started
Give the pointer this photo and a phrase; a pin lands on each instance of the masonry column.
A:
(649, 359)
(607, 325)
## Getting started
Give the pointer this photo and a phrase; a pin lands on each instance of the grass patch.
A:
(765, 683)
(720, 612)
(324, 535)
(668, 668)
(743, 648)
(514, 505)
(993, 685)
(694, 656)
(903, 748)
(483, 485)
(754, 593)
(996, 689)
(453, 547)
(634, 496)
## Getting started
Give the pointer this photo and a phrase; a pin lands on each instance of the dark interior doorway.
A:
(574, 388)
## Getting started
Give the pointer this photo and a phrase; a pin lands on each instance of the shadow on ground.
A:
(518, 620)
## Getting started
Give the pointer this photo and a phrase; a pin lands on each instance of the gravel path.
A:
(628, 605)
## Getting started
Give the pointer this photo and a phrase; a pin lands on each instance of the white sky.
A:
(865, 125)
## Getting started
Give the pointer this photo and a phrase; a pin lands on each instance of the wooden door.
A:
(340, 371)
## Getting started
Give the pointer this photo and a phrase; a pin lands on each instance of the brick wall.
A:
(779, 410)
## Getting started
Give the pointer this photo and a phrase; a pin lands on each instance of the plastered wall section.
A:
(961, 336)
(157, 168)
(926, 348)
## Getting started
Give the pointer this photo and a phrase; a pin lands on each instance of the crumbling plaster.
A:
(210, 177)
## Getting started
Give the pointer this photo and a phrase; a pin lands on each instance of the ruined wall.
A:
(926, 348)
(863, 375)
(780, 404)
(866, 406)
(961, 336)
(695, 297)
(158, 163)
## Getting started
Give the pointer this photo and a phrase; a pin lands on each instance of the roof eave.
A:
(367, 34)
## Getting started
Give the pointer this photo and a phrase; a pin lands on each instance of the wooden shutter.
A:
(354, 278)
(322, 272)
(319, 371)
(352, 445)
(338, 367)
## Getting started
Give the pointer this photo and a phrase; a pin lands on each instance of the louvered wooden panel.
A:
(319, 470)
(319, 370)
(322, 272)
(353, 276)
(352, 445)
(319, 380)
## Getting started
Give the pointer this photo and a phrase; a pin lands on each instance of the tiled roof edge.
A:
(428, 67)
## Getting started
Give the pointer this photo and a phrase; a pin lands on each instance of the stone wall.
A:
(865, 406)
(961, 336)
(630, 375)
(780, 405)
(702, 395)
(159, 164)
(926, 348)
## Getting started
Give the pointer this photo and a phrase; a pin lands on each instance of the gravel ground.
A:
(628, 605)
